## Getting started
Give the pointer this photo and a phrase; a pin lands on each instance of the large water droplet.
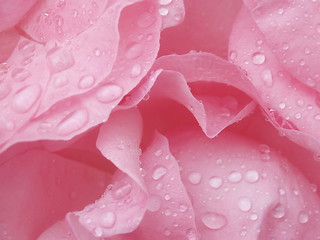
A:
(60, 60)
(244, 204)
(60, 80)
(86, 82)
(159, 172)
(26, 47)
(109, 93)
(72, 122)
(303, 217)
(251, 176)
(133, 50)
(107, 219)
(258, 58)
(20, 74)
(235, 176)
(213, 221)
(278, 211)
(194, 177)
(121, 190)
(25, 98)
(215, 182)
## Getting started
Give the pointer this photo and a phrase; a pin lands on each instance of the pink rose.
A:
(107, 133)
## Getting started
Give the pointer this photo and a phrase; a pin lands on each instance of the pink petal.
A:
(61, 20)
(8, 41)
(206, 27)
(215, 106)
(172, 12)
(38, 188)
(170, 213)
(118, 211)
(119, 141)
(291, 29)
(291, 106)
(75, 115)
(11, 12)
(239, 192)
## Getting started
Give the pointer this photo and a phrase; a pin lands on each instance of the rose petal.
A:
(291, 106)
(172, 12)
(283, 24)
(11, 12)
(119, 141)
(206, 27)
(61, 20)
(170, 213)
(8, 41)
(38, 188)
(238, 192)
(75, 115)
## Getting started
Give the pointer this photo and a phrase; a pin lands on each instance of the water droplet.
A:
(213, 221)
(72, 122)
(280, 11)
(183, 208)
(154, 203)
(133, 50)
(258, 58)
(86, 82)
(97, 52)
(136, 70)
(234, 176)
(60, 81)
(107, 219)
(25, 98)
(20, 74)
(167, 212)
(251, 176)
(159, 172)
(163, 11)
(59, 21)
(194, 177)
(121, 190)
(297, 115)
(167, 197)
(165, 2)
(303, 217)
(232, 56)
(215, 182)
(302, 62)
(266, 76)
(253, 217)
(244, 204)
(26, 47)
(278, 211)
(108, 93)
(158, 153)
(263, 148)
(282, 191)
(145, 20)
(317, 117)
(282, 105)
(60, 60)
(98, 232)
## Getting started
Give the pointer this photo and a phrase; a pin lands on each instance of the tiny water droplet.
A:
(303, 217)
(133, 50)
(244, 204)
(194, 177)
(232, 56)
(72, 122)
(159, 172)
(183, 208)
(86, 82)
(278, 211)
(107, 219)
(258, 58)
(108, 93)
(158, 153)
(253, 216)
(136, 70)
(213, 220)
(234, 177)
(267, 78)
(163, 11)
(98, 232)
(285, 46)
(25, 98)
(167, 197)
(97, 52)
(60, 80)
(215, 182)
(282, 105)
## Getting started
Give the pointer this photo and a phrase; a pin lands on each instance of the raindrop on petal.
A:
(213, 221)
